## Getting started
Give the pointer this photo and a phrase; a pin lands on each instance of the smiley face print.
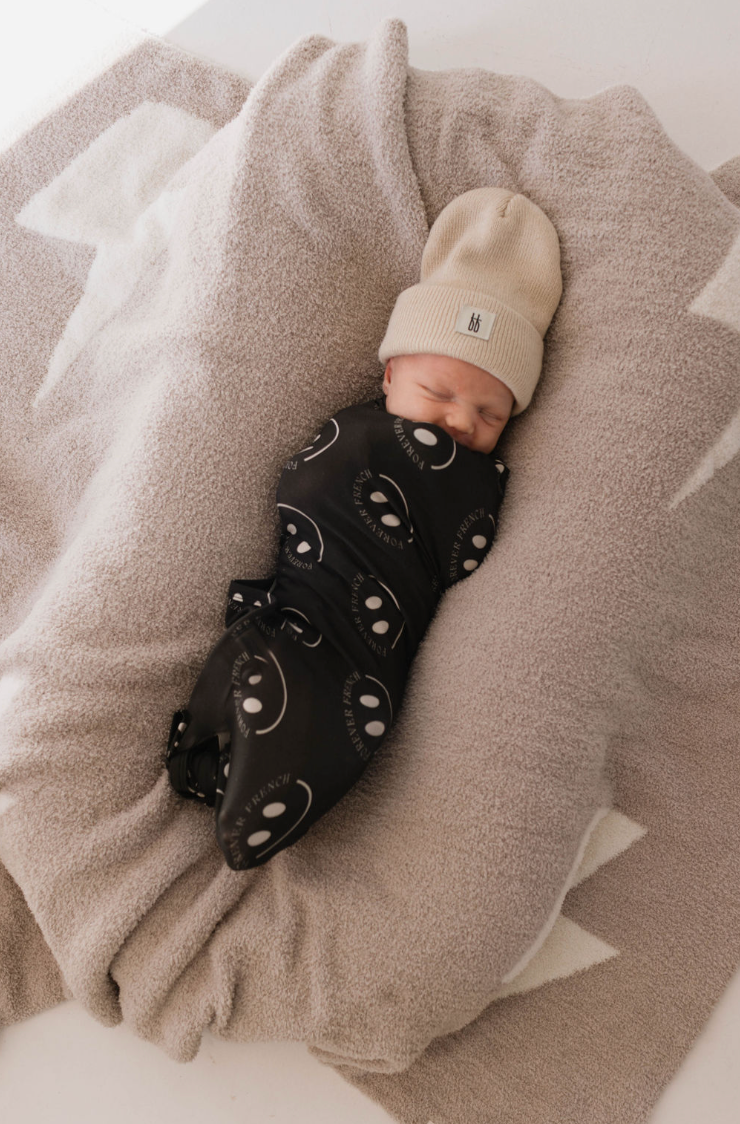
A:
(381, 505)
(303, 543)
(267, 820)
(259, 692)
(376, 613)
(379, 516)
(368, 712)
(472, 542)
(427, 446)
(299, 627)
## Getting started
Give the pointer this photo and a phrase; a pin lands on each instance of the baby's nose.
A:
(459, 419)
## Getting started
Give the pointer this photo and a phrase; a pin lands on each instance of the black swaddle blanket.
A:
(380, 515)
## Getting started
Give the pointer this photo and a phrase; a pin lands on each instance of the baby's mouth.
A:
(458, 437)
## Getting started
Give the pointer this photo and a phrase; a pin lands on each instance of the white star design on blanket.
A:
(112, 197)
(563, 947)
(719, 300)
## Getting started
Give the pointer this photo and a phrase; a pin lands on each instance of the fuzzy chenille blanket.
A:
(193, 279)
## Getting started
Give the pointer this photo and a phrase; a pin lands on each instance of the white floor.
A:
(62, 1066)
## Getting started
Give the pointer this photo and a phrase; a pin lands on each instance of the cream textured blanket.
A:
(189, 289)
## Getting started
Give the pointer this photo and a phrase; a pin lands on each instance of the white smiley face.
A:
(472, 546)
(259, 692)
(435, 446)
(375, 611)
(255, 829)
(300, 627)
(323, 440)
(303, 539)
(385, 501)
(371, 714)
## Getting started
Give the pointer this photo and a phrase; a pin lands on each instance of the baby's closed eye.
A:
(489, 415)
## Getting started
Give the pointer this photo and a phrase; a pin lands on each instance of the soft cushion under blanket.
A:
(379, 516)
(228, 310)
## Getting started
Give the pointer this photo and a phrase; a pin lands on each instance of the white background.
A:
(62, 1066)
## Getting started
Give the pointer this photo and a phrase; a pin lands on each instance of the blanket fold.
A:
(205, 326)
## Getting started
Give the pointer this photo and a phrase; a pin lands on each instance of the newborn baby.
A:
(391, 504)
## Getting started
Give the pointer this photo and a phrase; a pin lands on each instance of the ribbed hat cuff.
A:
(423, 322)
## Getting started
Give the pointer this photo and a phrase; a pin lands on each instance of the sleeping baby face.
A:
(466, 401)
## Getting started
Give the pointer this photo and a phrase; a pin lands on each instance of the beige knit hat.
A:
(490, 284)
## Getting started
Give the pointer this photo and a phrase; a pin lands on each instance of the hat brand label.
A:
(475, 322)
